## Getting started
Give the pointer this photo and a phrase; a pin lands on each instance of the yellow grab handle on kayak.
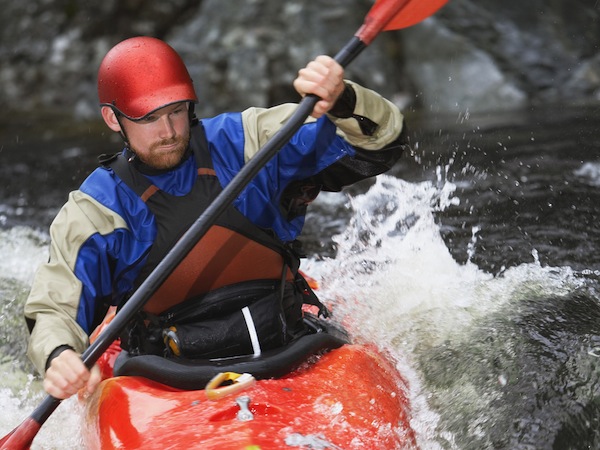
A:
(239, 381)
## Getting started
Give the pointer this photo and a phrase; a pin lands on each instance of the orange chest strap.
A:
(222, 257)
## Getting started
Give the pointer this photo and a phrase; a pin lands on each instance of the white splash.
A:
(61, 430)
(394, 282)
(23, 250)
(589, 172)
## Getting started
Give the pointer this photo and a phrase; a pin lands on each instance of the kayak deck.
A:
(349, 398)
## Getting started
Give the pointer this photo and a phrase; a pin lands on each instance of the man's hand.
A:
(67, 375)
(323, 77)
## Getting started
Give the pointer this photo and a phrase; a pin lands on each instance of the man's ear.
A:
(110, 118)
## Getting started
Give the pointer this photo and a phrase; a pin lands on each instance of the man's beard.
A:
(162, 159)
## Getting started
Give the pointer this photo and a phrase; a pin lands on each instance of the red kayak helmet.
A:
(142, 74)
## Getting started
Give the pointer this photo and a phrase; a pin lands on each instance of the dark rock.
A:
(473, 56)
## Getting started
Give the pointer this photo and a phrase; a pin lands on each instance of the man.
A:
(239, 290)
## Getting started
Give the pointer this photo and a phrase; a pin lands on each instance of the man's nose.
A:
(167, 130)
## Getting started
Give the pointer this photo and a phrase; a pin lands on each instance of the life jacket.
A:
(237, 274)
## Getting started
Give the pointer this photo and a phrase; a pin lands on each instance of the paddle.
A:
(384, 15)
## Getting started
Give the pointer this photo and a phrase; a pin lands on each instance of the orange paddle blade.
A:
(21, 437)
(395, 14)
(414, 12)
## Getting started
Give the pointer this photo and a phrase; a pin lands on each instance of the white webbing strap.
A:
(251, 331)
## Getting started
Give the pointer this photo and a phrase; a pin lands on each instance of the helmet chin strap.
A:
(119, 116)
(192, 114)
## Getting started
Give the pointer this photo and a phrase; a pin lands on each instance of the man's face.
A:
(160, 139)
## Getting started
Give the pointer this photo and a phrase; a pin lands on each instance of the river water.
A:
(475, 263)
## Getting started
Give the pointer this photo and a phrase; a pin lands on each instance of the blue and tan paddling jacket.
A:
(111, 232)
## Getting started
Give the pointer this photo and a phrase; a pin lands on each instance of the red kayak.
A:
(350, 397)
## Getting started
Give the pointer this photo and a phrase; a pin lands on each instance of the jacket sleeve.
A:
(54, 303)
(374, 127)
(373, 124)
(384, 129)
